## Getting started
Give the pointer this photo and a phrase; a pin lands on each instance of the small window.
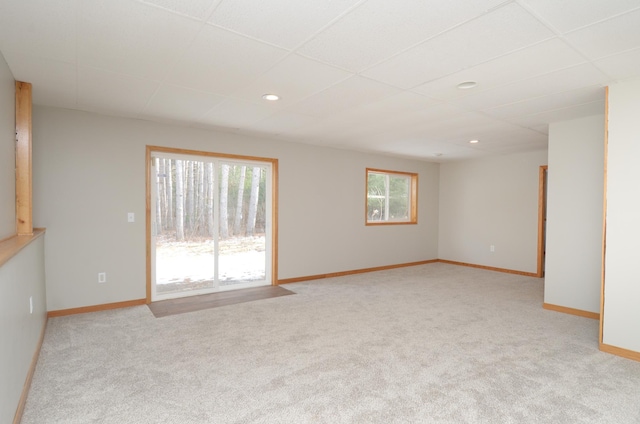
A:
(391, 197)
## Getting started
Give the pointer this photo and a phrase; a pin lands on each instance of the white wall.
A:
(89, 172)
(574, 213)
(492, 201)
(622, 288)
(7, 152)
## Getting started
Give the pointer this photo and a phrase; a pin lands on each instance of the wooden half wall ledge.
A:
(11, 246)
(96, 308)
(571, 311)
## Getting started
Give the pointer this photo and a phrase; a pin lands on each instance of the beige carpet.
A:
(428, 344)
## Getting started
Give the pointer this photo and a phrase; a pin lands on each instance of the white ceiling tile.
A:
(131, 38)
(171, 101)
(401, 103)
(567, 15)
(542, 58)
(428, 149)
(293, 79)
(430, 117)
(504, 30)
(463, 128)
(387, 112)
(515, 147)
(504, 134)
(284, 23)
(541, 128)
(113, 94)
(220, 61)
(551, 102)
(606, 38)
(198, 9)
(580, 76)
(54, 83)
(379, 29)
(40, 28)
(236, 113)
(621, 66)
(205, 63)
(565, 114)
(282, 121)
(350, 93)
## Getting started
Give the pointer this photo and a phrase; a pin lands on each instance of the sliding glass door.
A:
(210, 224)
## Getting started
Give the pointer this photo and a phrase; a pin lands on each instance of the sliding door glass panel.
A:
(185, 242)
(209, 221)
(243, 217)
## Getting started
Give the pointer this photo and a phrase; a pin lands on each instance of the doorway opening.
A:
(210, 222)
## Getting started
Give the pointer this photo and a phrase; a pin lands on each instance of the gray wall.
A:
(7, 152)
(574, 213)
(89, 172)
(22, 276)
(492, 201)
(622, 291)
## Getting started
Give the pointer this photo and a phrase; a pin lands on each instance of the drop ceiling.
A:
(367, 75)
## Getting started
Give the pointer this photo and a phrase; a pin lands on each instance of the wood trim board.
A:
(489, 268)
(96, 308)
(13, 245)
(618, 351)
(542, 206)
(24, 176)
(571, 311)
(27, 383)
(352, 272)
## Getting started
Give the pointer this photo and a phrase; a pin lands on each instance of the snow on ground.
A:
(190, 265)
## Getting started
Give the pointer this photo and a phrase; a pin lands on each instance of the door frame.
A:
(274, 203)
(542, 215)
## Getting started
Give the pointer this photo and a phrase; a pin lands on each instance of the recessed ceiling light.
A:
(474, 141)
(467, 85)
(270, 97)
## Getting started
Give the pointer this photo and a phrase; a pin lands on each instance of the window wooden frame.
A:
(413, 197)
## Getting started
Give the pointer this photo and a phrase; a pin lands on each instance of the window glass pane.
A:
(391, 197)
(376, 196)
(399, 197)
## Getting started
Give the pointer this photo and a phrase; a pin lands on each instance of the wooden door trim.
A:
(274, 202)
(541, 216)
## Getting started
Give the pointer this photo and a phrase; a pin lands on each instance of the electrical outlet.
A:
(492, 248)
(131, 217)
(102, 277)
(30, 304)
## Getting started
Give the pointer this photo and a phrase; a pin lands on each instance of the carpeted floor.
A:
(428, 344)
